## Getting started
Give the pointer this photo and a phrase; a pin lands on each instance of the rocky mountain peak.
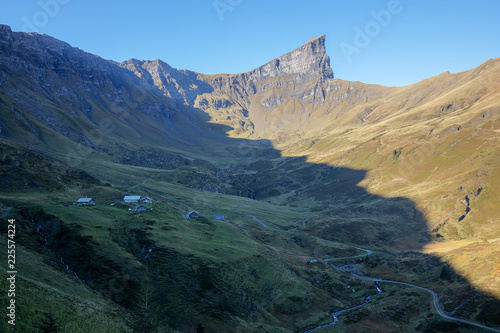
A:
(5, 32)
(5, 27)
(307, 60)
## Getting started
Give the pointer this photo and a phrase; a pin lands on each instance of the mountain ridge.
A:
(298, 67)
(74, 93)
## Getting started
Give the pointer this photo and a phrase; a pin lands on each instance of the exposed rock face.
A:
(306, 64)
(180, 85)
(236, 100)
(249, 103)
(309, 60)
(43, 56)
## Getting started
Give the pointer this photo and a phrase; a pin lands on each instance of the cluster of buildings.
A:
(83, 202)
(137, 199)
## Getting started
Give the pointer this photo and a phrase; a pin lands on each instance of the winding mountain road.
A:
(265, 226)
(435, 297)
(435, 300)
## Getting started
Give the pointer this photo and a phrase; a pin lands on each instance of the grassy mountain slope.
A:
(435, 152)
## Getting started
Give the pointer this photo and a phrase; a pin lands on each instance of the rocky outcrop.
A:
(308, 61)
(51, 61)
(230, 99)
(150, 158)
(466, 201)
(182, 86)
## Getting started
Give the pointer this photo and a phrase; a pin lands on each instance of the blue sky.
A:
(386, 42)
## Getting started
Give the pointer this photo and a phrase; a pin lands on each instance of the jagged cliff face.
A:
(181, 86)
(294, 95)
(238, 100)
(54, 67)
(306, 62)
(252, 96)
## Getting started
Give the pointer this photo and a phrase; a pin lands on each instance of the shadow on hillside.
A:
(345, 212)
(339, 209)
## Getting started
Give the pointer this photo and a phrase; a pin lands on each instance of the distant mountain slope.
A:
(52, 92)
